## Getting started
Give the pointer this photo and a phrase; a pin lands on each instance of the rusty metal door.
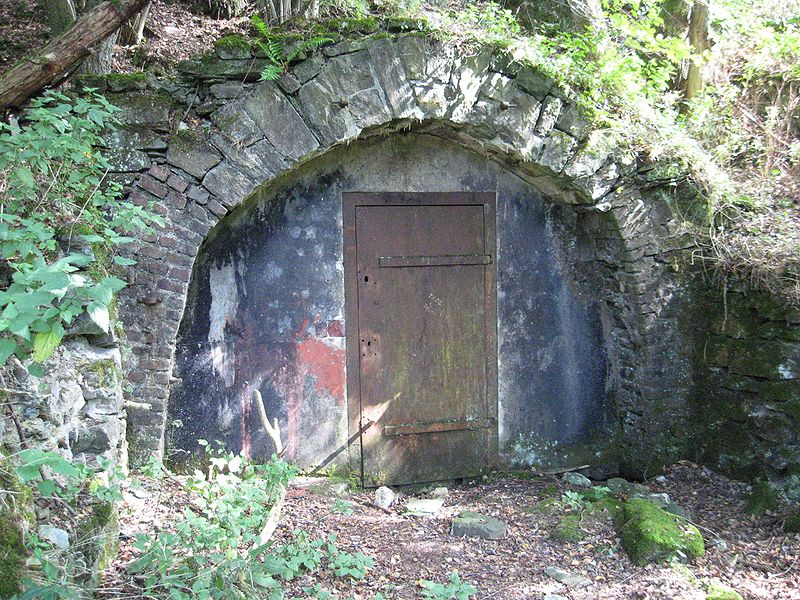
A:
(422, 356)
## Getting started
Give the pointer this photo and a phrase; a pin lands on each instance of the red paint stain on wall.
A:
(325, 363)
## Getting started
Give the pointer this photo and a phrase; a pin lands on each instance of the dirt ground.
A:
(752, 555)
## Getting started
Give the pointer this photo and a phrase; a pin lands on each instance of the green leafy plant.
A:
(59, 218)
(574, 501)
(215, 551)
(278, 56)
(54, 572)
(455, 589)
(342, 507)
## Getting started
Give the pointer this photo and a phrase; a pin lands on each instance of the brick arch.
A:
(355, 90)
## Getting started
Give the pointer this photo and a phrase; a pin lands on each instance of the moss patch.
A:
(126, 82)
(716, 590)
(98, 538)
(546, 506)
(363, 25)
(106, 371)
(792, 523)
(12, 555)
(568, 529)
(233, 43)
(761, 499)
(649, 533)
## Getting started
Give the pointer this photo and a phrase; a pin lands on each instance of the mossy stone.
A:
(12, 548)
(98, 538)
(403, 24)
(608, 504)
(792, 523)
(568, 529)
(761, 499)
(363, 25)
(12, 555)
(546, 506)
(649, 533)
(126, 82)
(719, 591)
(233, 46)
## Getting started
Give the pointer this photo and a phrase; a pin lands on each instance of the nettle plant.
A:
(61, 222)
(215, 551)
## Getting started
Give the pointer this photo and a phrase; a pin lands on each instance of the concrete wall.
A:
(266, 309)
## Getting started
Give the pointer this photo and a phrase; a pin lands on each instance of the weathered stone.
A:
(138, 138)
(577, 479)
(424, 507)
(384, 497)
(440, 492)
(126, 160)
(551, 108)
(241, 69)
(256, 162)
(191, 152)
(198, 194)
(473, 524)
(229, 184)
(280, 122)
(142, 110)
(557, 150)
(568, 579)
(55, 535)
(649, 533)
(228, 90)
(236, 125)
(661, 500)
(391, 74)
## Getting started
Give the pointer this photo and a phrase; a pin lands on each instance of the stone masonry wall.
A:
(76, 408)
(747, 396)
(198, 144)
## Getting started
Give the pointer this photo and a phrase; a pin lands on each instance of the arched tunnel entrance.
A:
(267, 310)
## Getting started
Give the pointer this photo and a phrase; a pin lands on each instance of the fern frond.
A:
(305, 46)
(260, 25)
(271, 72)
(275, 51)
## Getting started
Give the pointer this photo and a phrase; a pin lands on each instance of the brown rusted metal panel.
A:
(422, 358)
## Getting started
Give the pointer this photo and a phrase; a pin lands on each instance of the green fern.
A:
(275, 52)
(271, 73)
(306, 46)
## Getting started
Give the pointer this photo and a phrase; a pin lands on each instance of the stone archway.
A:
(358, 90)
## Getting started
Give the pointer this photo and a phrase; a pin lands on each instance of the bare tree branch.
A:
(34, 73)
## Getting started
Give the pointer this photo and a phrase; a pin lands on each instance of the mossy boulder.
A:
(791, 524)
(716, 590)
(12, 555)
(126, 82)
(233, 46)
(568, 529)
(13, 515)
(761, 499)
(650, 533)
(98, 539)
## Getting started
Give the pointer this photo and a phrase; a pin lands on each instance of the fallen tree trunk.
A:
(36, 72)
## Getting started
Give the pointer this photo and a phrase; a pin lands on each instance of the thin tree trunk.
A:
(61, 14)
(132, 33)
(50, 64)
(274, 432)
(101, 58)
(698, 40)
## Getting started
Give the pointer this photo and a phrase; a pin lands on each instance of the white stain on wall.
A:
(224, 301)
